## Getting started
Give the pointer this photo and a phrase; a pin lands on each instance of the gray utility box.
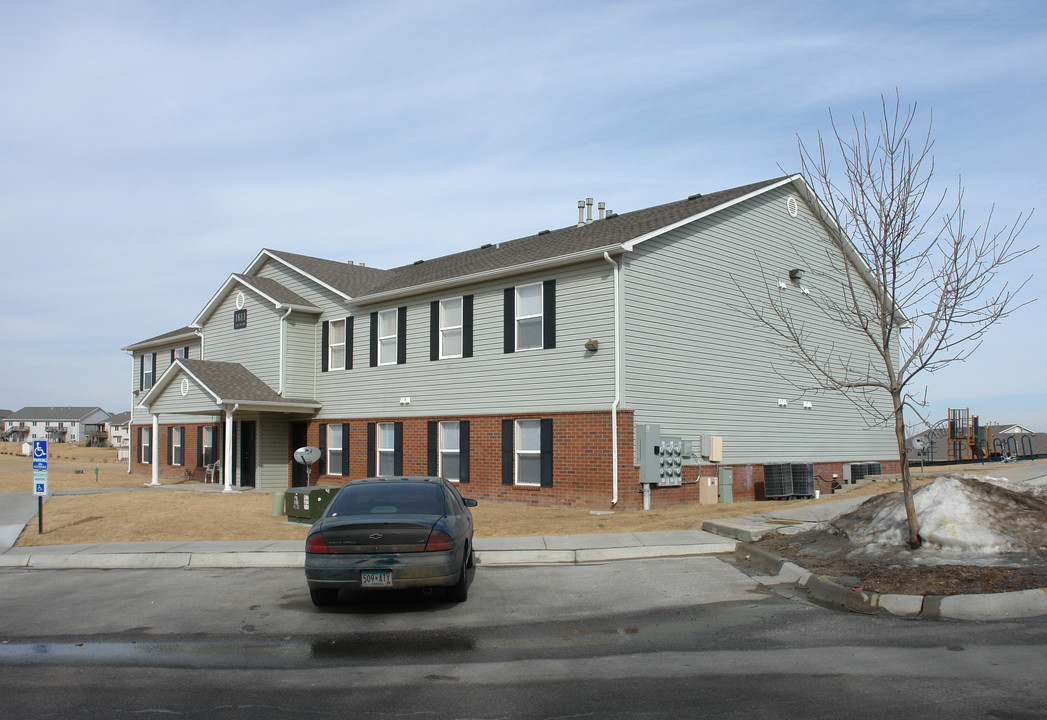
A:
(307, 504)
(661, 457)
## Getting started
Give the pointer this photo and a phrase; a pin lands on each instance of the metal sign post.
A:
(40, 481)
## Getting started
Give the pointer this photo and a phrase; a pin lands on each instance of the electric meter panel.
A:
(670, 462)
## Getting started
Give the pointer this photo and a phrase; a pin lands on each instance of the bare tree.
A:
(916, 285)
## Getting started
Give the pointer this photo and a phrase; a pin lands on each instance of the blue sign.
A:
(39, 454)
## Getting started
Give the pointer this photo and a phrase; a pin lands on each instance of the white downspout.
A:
(130, 419)
(200, 334)
(617, 385)
(156, 450)
(227, 466)
(283, 349)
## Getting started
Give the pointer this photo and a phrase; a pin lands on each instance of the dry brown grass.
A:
(178, 513)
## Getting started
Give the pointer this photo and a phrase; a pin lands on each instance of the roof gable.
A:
(269, 290)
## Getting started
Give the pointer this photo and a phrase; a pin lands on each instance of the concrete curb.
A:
(825, 591)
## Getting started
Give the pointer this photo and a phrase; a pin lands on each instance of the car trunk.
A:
(368, 535)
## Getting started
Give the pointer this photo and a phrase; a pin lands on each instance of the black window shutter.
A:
(463, 451)
(325, 345)
(547, 452)
(398, 445)
(199, 445)
(549, 314)
(433, 447)
(401, 336)
(186, 351)
(216, 451)
(155, 376)
(141, 374)
(508, 451)
(371, 430)
(467, 326)
(172, 356)
(374, 339)
(349, 323)
(170, 446)
(434, 333)
(323, 448)
(345, 449)
(138, 450)
(509, 320)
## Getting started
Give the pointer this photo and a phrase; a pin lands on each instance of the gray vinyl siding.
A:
(163, 362)
(272, 443)
(696, 362)
(171, 400)
(490, 382)
(301, 349)
(256, 347)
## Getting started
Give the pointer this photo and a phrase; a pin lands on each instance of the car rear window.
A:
(388, 499)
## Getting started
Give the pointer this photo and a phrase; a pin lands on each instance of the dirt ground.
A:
(186, 512)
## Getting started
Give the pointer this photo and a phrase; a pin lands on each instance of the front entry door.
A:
(298, 439)
(247, 453)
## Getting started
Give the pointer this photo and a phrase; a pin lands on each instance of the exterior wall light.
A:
(796, 275)
(592, 344)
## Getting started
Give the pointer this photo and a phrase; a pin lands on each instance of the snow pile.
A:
(960, 516)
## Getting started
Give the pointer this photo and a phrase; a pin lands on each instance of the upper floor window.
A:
(336, 349)
(148, 371)
(389, 337)
(451, 328)
(181, 352)
(530, 316)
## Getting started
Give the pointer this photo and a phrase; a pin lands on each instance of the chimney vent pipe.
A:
(581, 213)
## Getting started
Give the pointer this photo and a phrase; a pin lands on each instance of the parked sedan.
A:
(388, 533)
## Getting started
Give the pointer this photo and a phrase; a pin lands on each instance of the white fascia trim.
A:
(272, 405)
(223, 291)
(723, 206)
(253, 268)
(159, 343)
(593, 254)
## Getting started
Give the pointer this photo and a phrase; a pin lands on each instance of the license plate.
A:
(376, 578)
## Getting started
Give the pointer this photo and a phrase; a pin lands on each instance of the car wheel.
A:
(459, 592)
(470, 558)
(323, 596)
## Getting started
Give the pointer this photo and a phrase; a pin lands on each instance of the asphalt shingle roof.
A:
(271, 288)
(232, 381)
(52, 413)
(357, 281)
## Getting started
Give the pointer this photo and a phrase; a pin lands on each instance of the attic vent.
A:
(544, 232)
(485, 246)
(418, 262)
(694, 197)
(793, 206)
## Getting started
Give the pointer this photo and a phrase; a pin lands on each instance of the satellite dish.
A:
(919, 443)
(307, 455)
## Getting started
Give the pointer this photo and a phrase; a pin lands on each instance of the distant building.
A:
(118, 432)
(56, 424)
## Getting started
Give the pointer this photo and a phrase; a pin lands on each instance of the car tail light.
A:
(439, 541)
(316, 544)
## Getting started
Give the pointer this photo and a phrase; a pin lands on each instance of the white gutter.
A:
(617, 383)
(283, 349)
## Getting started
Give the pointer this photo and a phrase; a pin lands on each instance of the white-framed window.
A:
(147, 445)
(148, 370)
(385, 446)
(334, 449)
(208, 443)
(387, 321)
(450, 450)
(528, 452)
(336, 349)
(451, 328)
(178, 446)
(529, 316)
(180, 352)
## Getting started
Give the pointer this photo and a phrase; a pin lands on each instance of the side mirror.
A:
(469, 502)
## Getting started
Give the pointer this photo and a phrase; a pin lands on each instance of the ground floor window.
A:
(450, 450)
(334, 449)
(207, 442)
(528, 452)
(146, 442)
(178, 446)
(386, 447)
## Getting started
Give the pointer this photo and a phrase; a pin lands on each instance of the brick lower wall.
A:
(582, 463)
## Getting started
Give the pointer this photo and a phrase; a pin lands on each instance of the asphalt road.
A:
(687, 637)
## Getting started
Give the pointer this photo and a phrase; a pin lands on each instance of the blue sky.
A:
(150, 149)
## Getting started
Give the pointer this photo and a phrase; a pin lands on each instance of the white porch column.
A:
(156, 450)
(227, 463)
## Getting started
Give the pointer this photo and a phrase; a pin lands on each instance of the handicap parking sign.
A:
(39, 454)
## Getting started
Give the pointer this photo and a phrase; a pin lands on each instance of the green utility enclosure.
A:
(307, 504)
